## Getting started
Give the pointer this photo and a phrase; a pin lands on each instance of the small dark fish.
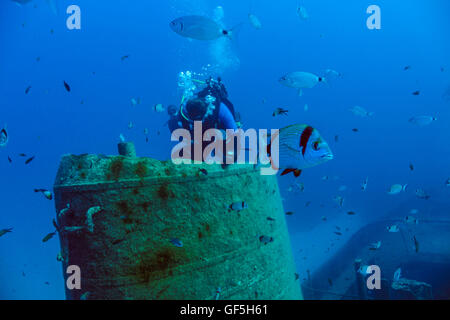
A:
(289, 213)
(9, 159)
(279, 111)
(336, 138)
(22, 155)
(124, 57)
(416, 244)
(338, 228)
(27, 89)
(330, 282)
(407, 68)
(442, 69)
(49, 236)
(324, 218)
(355, 129)
(46, 193)
(55, 225)
(23, 274)
(416, 93)
(270, 219)
(351, 213)
(296, 275)
(338, 233)
(66, 85)
(85, 295)
(5, 231)
(238, 206)
(47, 283)
(29, 160)
(203, 171)
(117, 241)
(307, 203)
(265, 239)
(411, 167)
(176, 242)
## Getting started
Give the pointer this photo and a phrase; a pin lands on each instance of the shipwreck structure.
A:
(139, 228)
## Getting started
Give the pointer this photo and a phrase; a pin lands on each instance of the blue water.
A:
(49, 122)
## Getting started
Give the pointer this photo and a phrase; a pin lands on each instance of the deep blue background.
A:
(49, 122)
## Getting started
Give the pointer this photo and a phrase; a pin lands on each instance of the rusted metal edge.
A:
(139, 182)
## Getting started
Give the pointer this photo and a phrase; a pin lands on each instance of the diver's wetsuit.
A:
(224, 120)
(223, 116)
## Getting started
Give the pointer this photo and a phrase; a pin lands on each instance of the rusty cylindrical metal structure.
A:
(118, 217)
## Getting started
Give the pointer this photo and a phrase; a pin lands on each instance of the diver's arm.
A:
(229, 105)
(226, 119)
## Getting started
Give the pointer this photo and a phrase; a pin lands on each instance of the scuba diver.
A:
(211, 106)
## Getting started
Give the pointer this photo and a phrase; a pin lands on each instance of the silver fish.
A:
(397, 188)
(421, 194)
(422, 121)
(411, 220)
(254, 21)
(340, 200)
(300, 80)
(199, 28)
(364, 184)
(3, 137)
(296, 187)
(265, 239)
(397, 274)
(239, 206)
(393, 228)
(302, 13)
(360, 111)
(330, 74)
(158, 107)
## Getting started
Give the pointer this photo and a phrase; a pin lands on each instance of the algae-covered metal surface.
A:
(117, 216)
